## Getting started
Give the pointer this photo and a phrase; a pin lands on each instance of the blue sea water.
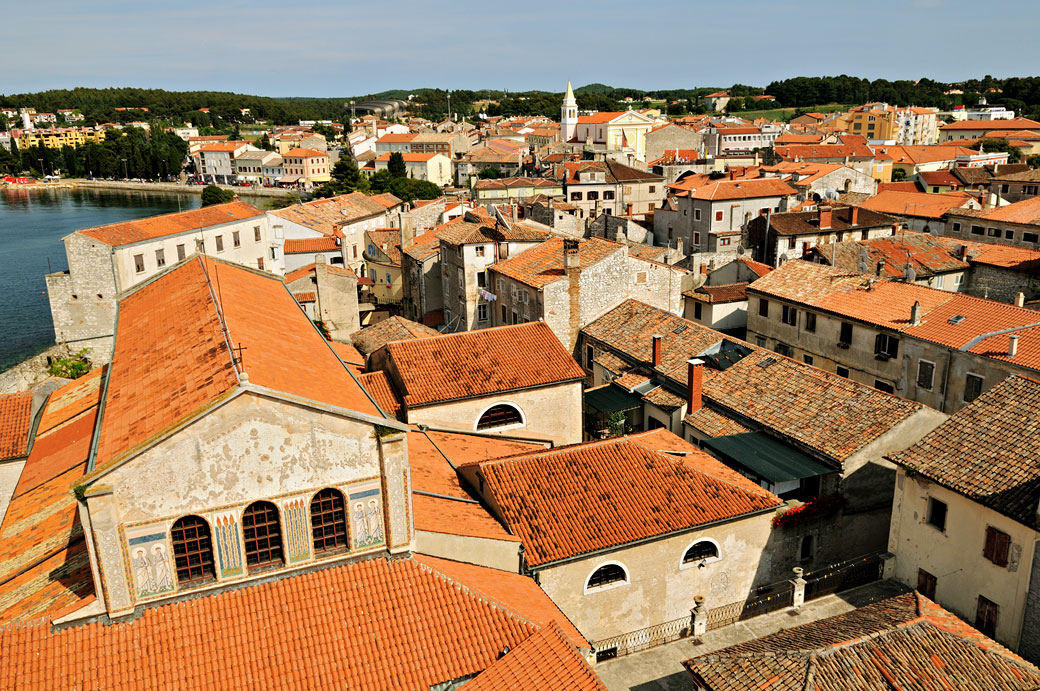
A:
(32, 223)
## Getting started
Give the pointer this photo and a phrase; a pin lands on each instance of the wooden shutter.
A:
(997, 546)
(926, 583)
(925, 373)
(986, 616)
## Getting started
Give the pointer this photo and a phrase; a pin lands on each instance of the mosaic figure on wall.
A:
(361, 536)
(142, 571)
(375, 520)
(161, 567)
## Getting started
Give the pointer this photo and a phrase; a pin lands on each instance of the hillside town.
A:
(582, 400)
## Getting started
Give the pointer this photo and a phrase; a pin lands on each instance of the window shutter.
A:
(879, 343)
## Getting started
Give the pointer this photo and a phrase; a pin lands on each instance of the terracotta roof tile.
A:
(440, 501)
(425, 245)
(326, 215)
(541, 265)
(546, 660)
(15, 420)
(918, 155)
(612, 363)
(126, 232)
(719, 293)
(190, 365)
(988, 451)
(808, 222)
(305, 297)
(308, 270)
(1013, 124)
(888, 304)
(388, 241)
(479, 363)
(305, 153)
(834, 415)
(720, 190)
(1025, 211)
(758, 267)
(473, 228)
(311, 245)
(713, 423)
(905, 642)
(375, 624)
(577, 499)
(915, 203)
(926, 254)
(378, 386)
(372, 338)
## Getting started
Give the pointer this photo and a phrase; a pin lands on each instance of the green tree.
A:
(211, 194)
(409, 189)
(991, 145)
(1034, 161)
(898, 175)
(396, 165)
(380, 181)
(71, 367)
(346, 178)
(265, 143)
(489, 173)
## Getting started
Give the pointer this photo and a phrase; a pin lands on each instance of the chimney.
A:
(915, 314)
(1020, 301)
(880, 267)
(853, 215)
(571, 255)
(655, 356)
(694, 379)
(962, 253)
(1013, 344)
(825, 213)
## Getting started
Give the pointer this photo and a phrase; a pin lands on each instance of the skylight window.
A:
(958, 319)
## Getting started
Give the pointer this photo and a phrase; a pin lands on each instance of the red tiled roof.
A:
(722, 292)
(44, 568)
(15, 420)
(600, 118)
(816, 151)
(311, 245)
(714, 424)
(396, 138)
(305, 297)
(905, 186)
(915, 203)
(718, 190)
(544, 661)
(1013, 124)
(1025, 211)
(190, 366)
(541, 265)
(888, 304)
(327, 215)
(153, 227)
(479, 363)
(305, 153)
(372, 338)
(375, 624)
(917, 155)
(440, 501)
(758, 267)
(904, 642)
(378, 386)
(581, 498)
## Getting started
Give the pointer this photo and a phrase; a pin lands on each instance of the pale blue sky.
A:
(310, 48)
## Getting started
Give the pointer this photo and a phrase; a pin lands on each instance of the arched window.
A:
(328, 521)
(606, 575)
(700, 551)
(192, 551)
(262, 534)
(499, 416)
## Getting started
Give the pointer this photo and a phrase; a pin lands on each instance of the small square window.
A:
(718, 215)
(972, 387)
(180, 252)
(936, 514)
(842, 371)
(997, 546)
(789, 315)
(139, 263)
(925, 374)
(236, 239)
(220, 243)
(763, 307)
(807, 359)
(256, 233)
(810, 322)
(160, 258)
(479, 250)
(697, 310)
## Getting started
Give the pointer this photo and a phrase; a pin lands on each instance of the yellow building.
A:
(306, 167)
(383, 264)
(57, 137)
(872, 123)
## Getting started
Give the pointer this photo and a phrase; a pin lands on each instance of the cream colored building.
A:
(433, 167)
(609, 533)
(965, 523)
(305, 167)
(615, 132)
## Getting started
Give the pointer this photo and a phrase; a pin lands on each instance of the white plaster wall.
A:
(495, 554)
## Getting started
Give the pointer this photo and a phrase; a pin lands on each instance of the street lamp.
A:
(42, 171)
(126, 176)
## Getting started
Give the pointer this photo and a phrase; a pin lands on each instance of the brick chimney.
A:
(915, 314)
(694, 381)
(853, 215)
(655, 350)
(962, 253)
(825, 217)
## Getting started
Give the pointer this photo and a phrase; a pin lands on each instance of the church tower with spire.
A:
(569, 115)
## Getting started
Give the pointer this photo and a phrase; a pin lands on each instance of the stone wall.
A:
(998, 283)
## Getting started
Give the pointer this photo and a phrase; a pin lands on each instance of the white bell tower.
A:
(569, 115)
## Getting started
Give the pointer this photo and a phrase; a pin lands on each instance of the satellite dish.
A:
(909, 274)
(861, 267)
(740, 249)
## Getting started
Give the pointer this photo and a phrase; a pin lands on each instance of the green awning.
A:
(766, 458)
(610, 399)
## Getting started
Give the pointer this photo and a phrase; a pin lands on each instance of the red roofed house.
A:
(327, 293)
(714, 216)
(1016, 225)
(215, 161)
(513, 380)
(936, 347)
(965, 527)
(108, 260)
(621, 132)
(305, 168)
(433, 167)
(632, 532)
(612, 188)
